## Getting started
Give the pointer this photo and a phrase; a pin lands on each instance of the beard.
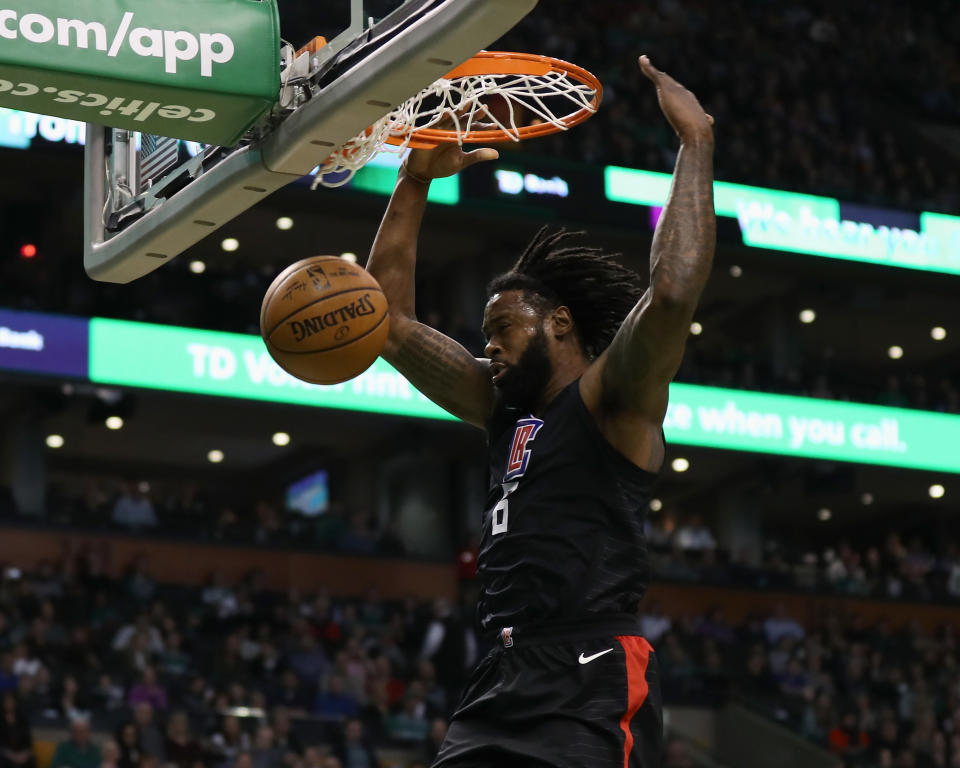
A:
(521, 385)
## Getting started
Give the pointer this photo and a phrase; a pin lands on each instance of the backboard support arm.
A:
(368, 87)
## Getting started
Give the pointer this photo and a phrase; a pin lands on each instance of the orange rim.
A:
(505, 63)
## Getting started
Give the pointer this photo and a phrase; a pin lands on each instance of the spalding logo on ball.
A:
(324, 320)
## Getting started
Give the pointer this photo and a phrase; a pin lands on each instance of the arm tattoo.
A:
(443, 371)
(431, 359)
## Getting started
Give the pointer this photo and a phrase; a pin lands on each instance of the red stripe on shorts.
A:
(637, 650)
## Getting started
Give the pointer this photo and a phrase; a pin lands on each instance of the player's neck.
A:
(566, 369)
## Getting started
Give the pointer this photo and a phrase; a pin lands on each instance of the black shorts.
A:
(581, 698)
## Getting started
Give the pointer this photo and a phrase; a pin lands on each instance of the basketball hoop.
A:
(544, 94)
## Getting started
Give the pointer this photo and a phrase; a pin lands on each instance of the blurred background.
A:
(207, 564)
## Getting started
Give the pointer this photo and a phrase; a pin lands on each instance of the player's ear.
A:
(561, 322)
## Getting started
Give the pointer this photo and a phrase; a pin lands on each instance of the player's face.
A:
(517, 348)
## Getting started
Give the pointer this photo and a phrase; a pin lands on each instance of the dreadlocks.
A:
(598, 290)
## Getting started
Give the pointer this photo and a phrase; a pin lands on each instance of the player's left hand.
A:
(679, 105)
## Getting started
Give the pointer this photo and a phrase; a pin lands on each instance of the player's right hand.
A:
(445, 160)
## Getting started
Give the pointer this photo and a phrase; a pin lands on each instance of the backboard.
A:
(149, 198)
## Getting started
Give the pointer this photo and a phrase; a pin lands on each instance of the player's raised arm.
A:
(627, 386)
(436, 365)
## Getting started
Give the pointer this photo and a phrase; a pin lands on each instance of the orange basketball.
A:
(324, 320)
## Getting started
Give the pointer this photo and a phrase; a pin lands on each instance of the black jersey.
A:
(563, 531)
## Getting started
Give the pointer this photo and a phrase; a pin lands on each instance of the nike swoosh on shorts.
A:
(588, 659)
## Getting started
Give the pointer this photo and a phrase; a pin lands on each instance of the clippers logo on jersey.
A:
(519, 456)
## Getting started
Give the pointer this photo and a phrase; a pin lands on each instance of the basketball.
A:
(324, 320)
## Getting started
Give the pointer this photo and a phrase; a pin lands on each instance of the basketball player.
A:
(572, 393)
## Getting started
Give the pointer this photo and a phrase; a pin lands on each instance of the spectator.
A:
(654, 624)
(284, 736)
(268, 528)
(359, 539)
(308, 661)
(107, 695)
(265, 753)
(434, 695)
(676, 755)
(230, 742)
(180, 747)
(133, 508)
(293, 694)
(847, 738)
(695, 536)
(80, 657)
(77, 751)
(780, 625)
(354, 750)
(313, 758)
(149, 691)
(431, 747)
(8, 679)
(335, 702)
(16, 739)
(110, 754)
(375, 712)
(71, 704)
(174, 661)
(151, 737)
(125, 637)
(410, 723)
(128, 742)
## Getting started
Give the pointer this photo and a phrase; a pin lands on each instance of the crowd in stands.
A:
(801, 102)
(188, 511)
(919, 565)
(231, 675)
(875, 696)
(915, 570)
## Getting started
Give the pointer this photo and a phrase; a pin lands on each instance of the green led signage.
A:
(789, 221)
(812, 428)
(234, 365)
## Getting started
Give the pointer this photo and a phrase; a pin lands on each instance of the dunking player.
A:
(572, 394)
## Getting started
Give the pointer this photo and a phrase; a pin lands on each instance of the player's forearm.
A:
(393, 257)
(683, 245)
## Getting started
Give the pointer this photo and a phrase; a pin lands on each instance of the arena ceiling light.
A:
(735, 271)
(281, 438)
(807, 316)
(215, 456)
(936, 491)
(895, 352)
(866, 499)
(284, 223)
(937, 333)
(680, 464)
(198, 267)
(696, 329)
(348, 256)
(656, 505)
(230, 244)
(55, 441)
(824, 514)
(114, 423)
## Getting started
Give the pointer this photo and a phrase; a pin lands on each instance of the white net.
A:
(539, 98)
